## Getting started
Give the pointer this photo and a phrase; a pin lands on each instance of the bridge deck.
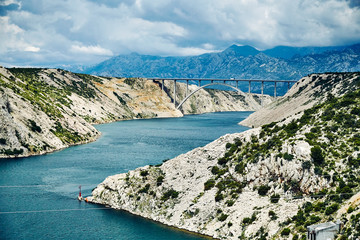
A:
(214, 80)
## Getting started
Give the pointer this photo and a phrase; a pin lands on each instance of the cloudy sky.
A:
(67, 32)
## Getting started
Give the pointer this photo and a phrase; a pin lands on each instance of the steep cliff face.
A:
(43, 110)
(266, 183)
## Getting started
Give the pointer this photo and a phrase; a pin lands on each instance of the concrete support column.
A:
(262, 92)
(275, 90)
(237, 84)
(175, 93)
(199, 83)
(187, 88)
(249, 87)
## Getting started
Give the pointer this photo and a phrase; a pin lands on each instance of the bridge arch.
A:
(210, 84)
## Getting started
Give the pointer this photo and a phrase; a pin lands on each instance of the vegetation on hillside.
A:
(332, 129)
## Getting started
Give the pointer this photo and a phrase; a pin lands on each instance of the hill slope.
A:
(268, 182)
(42, 110)
(308, 91)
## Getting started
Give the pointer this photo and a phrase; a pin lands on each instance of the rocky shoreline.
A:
(267, 182)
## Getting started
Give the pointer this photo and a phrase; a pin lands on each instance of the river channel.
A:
(38, 194)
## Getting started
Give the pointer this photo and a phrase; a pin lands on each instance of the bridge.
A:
(223, 82)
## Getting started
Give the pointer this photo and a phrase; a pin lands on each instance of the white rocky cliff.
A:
(266, 183)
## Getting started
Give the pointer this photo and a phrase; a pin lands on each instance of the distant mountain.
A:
(242, 62)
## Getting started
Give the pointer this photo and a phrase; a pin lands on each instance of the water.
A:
(38, 194)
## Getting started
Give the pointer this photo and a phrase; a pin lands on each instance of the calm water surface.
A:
(38, 194)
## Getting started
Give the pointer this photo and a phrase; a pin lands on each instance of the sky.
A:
(48, 33)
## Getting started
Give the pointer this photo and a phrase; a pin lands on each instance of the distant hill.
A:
(243, 62)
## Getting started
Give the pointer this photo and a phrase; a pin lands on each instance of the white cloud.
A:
(87, 31)
(96, 50)
(31, 49)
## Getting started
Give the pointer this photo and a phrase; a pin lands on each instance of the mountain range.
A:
(240, 62)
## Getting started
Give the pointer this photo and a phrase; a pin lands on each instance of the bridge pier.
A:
(275, 90)
(262, 92)
(175, 92)
(218, 82)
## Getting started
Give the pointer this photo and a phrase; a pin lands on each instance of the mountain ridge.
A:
(242, 62)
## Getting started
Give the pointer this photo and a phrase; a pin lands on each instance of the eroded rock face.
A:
(197, 210)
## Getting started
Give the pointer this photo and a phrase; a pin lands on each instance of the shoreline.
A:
(160, 223)
(95, 138)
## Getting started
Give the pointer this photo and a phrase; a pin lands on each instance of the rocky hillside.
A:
(43, 110)
(266, 183)
(307, 92)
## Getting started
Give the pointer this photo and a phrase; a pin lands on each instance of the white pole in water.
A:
(80, 197)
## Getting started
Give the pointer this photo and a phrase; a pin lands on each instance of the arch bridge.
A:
(223, 82)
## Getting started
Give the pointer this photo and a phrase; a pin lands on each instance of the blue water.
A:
(38, 194)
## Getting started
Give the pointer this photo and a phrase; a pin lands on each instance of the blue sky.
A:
(69, 32)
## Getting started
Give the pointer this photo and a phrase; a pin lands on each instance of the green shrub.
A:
(223, 217)
(275, 198)
(145, 189)
(272, 215)
(223, 161)
(317, 155)
(219, 197)
(230, 202)
(285, 232)
(263, 189)
(308, 207)
(248, 220)
(288, 156)
(209, 184)
(170, 194)
(159, 180)
(2, 141)
(228, 145)
(331, 209)
(215, 170)
(144, 173)
(306, 165)
(239, 168)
